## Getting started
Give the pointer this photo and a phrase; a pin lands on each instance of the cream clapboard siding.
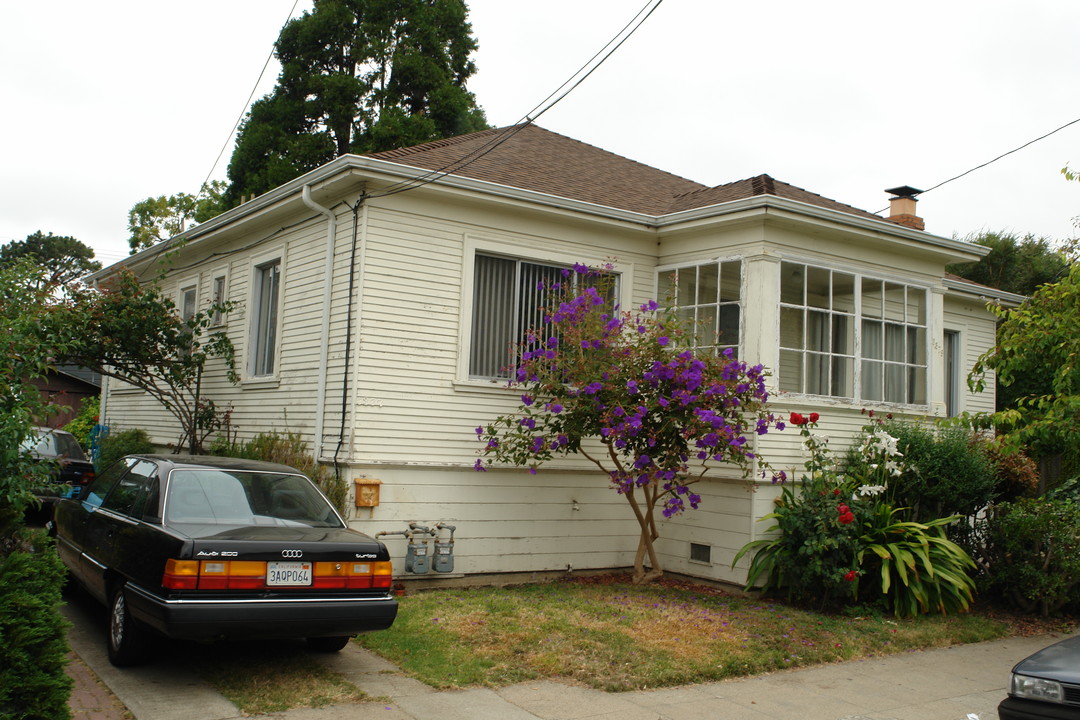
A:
(968, 315)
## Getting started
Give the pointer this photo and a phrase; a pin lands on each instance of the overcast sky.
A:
(107, 103)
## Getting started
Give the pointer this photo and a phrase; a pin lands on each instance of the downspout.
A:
(324, 350)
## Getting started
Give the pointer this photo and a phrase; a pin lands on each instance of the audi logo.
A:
(292, 553)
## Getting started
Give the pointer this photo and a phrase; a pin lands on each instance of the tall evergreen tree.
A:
(1014, 264)
(61, 258)
(358, 76)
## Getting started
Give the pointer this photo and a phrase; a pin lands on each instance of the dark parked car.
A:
(71, 470)
(203, 548)
(1045, 686)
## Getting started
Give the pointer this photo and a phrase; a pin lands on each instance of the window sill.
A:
(488, 387)
(260, 383)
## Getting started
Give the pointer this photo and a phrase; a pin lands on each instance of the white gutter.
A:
(324, 350)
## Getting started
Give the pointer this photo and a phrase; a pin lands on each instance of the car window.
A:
(128, 497)
(228, 497)
(67, 446)
(99, 488)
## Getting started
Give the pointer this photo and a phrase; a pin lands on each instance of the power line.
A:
(570, 84)
(247, 105)
(988, 162)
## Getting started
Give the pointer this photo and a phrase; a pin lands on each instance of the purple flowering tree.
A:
(623, 390)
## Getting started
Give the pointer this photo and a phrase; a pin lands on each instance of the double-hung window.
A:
(267, 290)
(188, 307)
(708, 297)
(844, 335)
(507, 296)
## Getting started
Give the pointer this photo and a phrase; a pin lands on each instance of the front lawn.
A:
(609, 634)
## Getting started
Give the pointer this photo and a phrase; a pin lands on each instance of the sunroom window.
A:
(708, 297)
(507, 295)
(844, 335)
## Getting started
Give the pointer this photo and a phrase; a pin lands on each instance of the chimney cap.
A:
(904, 191)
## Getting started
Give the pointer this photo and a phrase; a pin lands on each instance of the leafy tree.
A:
(31, 338)
(1039, 339)
(132, 332)
(159, 218)
(62, 258)
(358, 76)
(1014, 264)
(623, 391)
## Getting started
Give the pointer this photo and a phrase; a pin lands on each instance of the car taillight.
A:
(181, 575)
(87, 476)
(251, 575)
(355, 575)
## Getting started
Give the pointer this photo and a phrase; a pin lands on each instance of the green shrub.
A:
(1033, 549)
(839, 532)
(946, 471)
(33, 649)
(82, 424)
(125, 442)
(288, 449)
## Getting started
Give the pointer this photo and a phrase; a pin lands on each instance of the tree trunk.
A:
(646, 538)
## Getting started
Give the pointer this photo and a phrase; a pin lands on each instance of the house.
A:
(376, 297)
(66, 386)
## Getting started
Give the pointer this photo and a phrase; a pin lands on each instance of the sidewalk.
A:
(945, 684)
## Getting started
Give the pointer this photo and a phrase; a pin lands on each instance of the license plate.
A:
(284, 574)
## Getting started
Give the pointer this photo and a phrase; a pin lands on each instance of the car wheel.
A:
(126, 641)
(327, 644)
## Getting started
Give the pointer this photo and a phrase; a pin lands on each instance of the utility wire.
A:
(247, 106)
(539, 109)
(988, 162)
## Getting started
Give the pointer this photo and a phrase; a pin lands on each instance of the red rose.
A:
(842, 508)
(850, 575)
(797, 419)
(836, 491)
(846, 518)
(814, 417)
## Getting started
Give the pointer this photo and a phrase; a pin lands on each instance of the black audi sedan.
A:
(204, 548)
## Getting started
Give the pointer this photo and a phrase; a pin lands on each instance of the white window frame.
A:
(692, 312)
(514, 251)
(912, 367)
(953, 353)
(188, 287)
(219, 319)
(257, 324)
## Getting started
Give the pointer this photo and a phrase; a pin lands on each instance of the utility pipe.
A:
(328, 286)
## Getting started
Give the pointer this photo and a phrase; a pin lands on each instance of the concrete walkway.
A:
(946, 684)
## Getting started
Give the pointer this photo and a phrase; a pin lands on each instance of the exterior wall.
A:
(394, 399)
(967, 315)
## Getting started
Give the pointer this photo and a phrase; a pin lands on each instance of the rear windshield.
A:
(55, 444)
(238, 498)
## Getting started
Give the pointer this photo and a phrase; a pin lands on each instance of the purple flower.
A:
(526, 400)
(479, 431)
(527, 422)
(663, 340)
(478, 466)
(555, 408)
(552, 342)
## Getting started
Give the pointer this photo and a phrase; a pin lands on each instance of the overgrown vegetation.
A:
(844, 538)
(33, 644)
(117, 445)
(1033, 553)
(614, 635)
(82, 425)
(287, 448)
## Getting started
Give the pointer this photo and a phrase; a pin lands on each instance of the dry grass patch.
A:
(613, 635)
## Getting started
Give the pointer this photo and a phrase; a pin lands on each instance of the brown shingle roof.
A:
(532, 158)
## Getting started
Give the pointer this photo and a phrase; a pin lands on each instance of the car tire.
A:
(327, 644)
(126, 641)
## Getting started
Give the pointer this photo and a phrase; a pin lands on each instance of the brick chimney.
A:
(902, 207)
